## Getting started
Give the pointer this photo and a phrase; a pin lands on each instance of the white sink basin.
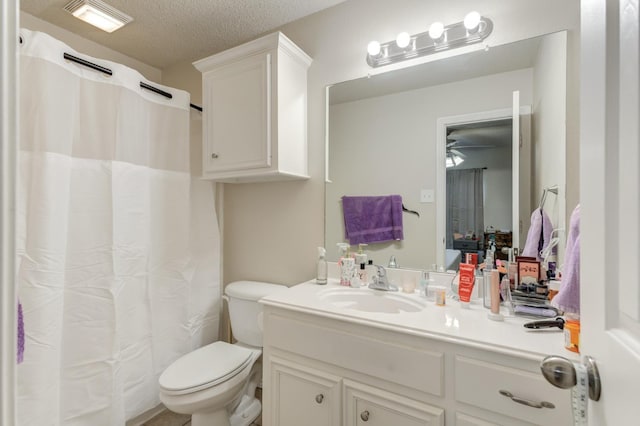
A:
(368, 300)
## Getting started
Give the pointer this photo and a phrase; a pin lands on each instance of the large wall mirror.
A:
(394, 133)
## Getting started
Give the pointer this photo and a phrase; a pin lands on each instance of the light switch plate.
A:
(427, 196)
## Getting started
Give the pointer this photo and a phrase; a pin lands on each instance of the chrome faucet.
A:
(380, 281)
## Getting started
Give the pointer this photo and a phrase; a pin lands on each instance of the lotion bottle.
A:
(361, 256)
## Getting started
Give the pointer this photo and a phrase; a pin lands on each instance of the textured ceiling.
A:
(165, 32)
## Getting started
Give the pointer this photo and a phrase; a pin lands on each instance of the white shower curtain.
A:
(118, 246)
(465, 203)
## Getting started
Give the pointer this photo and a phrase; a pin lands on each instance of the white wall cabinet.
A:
(255, 112)
(372, 376)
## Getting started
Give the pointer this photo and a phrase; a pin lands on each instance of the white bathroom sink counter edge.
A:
(452, 323)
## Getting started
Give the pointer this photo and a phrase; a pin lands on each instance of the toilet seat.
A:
(206, 367)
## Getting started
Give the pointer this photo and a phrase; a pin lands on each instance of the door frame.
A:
(441, 170)
(9, 36)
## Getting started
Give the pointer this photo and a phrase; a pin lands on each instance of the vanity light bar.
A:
(473, 29)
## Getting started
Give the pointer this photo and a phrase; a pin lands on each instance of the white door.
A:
(610, 205)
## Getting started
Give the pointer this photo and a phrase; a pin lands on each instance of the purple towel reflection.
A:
(372, 219)
(539, 235)
(568, 297)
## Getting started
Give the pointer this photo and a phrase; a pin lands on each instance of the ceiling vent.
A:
(98, 14)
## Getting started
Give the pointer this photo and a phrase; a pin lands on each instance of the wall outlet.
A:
(427, 196)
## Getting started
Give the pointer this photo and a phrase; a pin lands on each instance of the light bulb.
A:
(471, 21)
(436, 30)
(403, 40)
(373, 48)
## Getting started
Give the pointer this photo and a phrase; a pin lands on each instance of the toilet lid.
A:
(209, 365)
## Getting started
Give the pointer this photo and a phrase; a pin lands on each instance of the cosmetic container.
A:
(438, 293)
(572, 332)
(495, 314)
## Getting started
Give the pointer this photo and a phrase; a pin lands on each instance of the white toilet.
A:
(216, 383)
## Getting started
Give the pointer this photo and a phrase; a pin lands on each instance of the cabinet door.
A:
(237, 126)
(465, 420)
(303, 396)
(369, 406)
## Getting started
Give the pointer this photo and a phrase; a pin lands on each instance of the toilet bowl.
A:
(216, 383)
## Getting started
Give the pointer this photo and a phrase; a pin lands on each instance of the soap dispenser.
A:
(361, 256)
(321, 275)
(347, 264)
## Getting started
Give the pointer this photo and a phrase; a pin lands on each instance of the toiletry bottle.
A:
(370, 269)
(505, 293)
(342, 252)
(361, 256)
(348, 270)
(346, 263)
(440, 293)
(361, 264)
(355, 281)
(362, 274)
(321, 274)
(495, 296)
(489, 259)
(572, 332)
(423, 284)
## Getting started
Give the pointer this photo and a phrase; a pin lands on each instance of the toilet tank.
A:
(245, 313)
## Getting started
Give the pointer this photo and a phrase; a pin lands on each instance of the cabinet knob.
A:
(364, 416)
(319, 398)
(214, 155)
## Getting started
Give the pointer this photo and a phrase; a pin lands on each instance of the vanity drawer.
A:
(480, 383)
(404, 364)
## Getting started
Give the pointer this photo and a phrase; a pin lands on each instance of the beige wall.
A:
(271, 230)
(549, 129)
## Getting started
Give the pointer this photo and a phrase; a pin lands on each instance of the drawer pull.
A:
(319, 398)
(528, 403)
(214, 155)
(364, 416)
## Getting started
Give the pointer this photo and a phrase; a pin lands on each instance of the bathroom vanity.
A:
(340, 356)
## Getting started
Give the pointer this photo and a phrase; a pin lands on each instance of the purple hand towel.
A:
(539, 234)
(20, 334)
(372, 219)
(568, 297)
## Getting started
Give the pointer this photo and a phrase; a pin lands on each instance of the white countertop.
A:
(452, 323)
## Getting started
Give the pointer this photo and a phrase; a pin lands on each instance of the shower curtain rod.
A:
(107, 71)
